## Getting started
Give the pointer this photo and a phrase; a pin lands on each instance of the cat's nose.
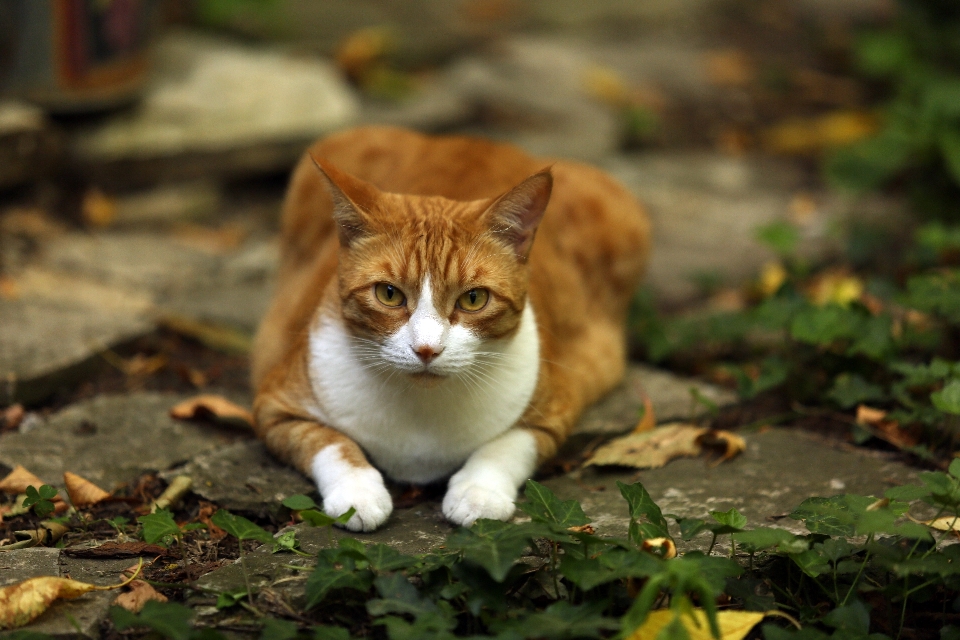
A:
(426, 353)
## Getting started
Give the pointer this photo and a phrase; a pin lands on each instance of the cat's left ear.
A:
(516, 214)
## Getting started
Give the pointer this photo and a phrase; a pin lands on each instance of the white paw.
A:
(363, 492)
(467, 501)
(343, 485)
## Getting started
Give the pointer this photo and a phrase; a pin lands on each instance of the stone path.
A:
(183, 244)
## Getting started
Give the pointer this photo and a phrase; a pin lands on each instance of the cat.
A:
(418, 331)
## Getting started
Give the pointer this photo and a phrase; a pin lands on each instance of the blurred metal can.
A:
(76, 55)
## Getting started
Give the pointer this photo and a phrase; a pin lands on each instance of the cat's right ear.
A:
(353, 199)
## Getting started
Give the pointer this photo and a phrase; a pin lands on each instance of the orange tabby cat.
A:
(417, 330)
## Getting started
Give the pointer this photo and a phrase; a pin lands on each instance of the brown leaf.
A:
(11, 417)
(730, 68)
(649, 420)
(140, 593)
(650, 449)
(18, 480)
(24, 601)
(663, 547)
(221, 337)
(82, 492)
(363, 49)
(118, 550)
(805, 136)
(210, 406)
(867, 416)
(98, 209)
(889, 431)
(728, 445)
(582, 528)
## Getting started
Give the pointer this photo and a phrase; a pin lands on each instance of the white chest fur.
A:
(415, 433)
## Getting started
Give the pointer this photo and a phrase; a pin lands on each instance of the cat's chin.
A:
(427, 379)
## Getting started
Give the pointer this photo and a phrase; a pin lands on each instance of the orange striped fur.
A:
(437, 218)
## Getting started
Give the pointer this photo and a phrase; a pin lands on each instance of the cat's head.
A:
(429, 286)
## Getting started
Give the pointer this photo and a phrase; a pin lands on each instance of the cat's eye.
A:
(473, 300)
(389, 295)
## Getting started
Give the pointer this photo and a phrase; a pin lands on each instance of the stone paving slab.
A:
(51, 332)
(269, 106)
(112, 439)
(65, 619)
(779, 469)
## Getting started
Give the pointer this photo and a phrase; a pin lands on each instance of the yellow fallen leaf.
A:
(605, 84)
(362, 49)
(730, 68)
(24, 601)
(772, 277)
(210, 406)
(837, 287)
(663, 547)
(734, 625)
(82, 492)
(650, 449)
(945, 523)
(804, 136)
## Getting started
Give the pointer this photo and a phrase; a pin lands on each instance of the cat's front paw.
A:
(366, 494)
(467, 501)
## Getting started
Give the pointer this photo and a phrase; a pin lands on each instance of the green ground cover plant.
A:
(864, 569)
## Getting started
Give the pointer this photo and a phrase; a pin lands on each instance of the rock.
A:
(167, 204)
(779, 469)
(28, 147)
(671, 396)
(122, 437)
(84, 318)
(706, 210)
(217, 109)
(436, 107)
(65, 619)
(243, 477)
(539, 83)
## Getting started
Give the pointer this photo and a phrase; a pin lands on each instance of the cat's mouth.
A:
(427, 378)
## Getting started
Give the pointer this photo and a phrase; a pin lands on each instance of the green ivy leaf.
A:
(241, 528)
(299, 502)
(384, 558)
(158, 525)
(615, 564)
(494, 545)
(947, 399)
(836, 516)
(277, 629)
(320, 519)
(542, 505)
(769, 537)
(560, 620)
(169, 619)
(731, 520)
(326, 632)
(397, 595)
(334, 571)
(646, 519)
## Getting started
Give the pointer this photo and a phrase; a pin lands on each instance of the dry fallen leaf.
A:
(772, 277)
(889, 431)
(582, 528)
(216, 336)
(98, 209)
(650, 449)
(363, 49)
(663, 547)
(836, 287)
(210, 406)
(730, 68)
(653, 449)
(118, 550)
(734, 625)
(140, 593)
(805, 136)
(11, 417)
(22, 602)
(82, 492)
(18, 480)
(177, 488)
(728, 445)
(649, 420)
